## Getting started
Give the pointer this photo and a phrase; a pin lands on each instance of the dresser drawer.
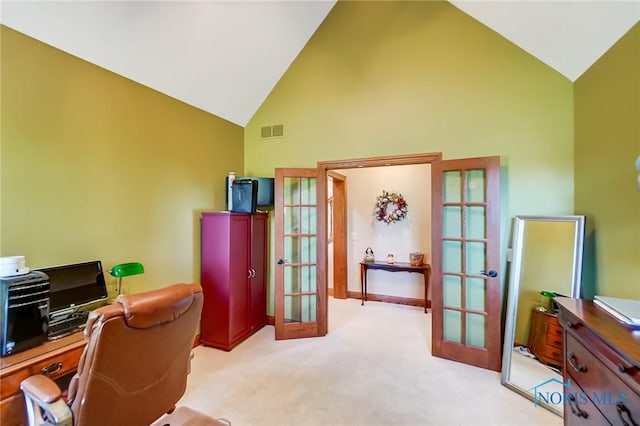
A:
(610, 394)
(59, 365)
(555, 341)
(553, 355)
(12, 411)
(544, 341)
(555, 329)
(10, 384)
(579, 410)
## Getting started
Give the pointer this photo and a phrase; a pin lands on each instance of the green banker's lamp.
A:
(125, 270)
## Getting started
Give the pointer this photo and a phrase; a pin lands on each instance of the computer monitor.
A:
(265, 196)
(75, 285)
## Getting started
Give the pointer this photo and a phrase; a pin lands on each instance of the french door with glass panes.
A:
(466, 261)
(300, 302)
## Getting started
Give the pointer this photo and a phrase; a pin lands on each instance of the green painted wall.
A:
(607, 142)
(95, 166)
(390, 78)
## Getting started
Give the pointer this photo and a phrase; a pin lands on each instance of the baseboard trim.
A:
(409, 301)
(271, 320)
(196, 340)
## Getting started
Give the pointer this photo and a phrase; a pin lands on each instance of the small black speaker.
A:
(244, 193)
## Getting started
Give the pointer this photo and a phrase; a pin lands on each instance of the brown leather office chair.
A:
(134, 367)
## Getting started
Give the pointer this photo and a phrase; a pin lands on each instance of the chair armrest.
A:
(42, 388)
(189, 366)
(44, 403)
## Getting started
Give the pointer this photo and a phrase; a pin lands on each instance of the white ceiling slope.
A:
(567, 35)
(225, 57)
(221, 56)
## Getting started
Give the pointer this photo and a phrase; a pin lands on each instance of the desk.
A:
(425, 270)
(58, 359)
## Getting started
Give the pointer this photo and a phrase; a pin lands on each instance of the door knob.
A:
(492, 273)
(282, 261)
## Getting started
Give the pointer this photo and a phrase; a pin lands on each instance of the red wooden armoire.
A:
(233, 277)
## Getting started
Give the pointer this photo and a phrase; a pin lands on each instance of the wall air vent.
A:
(277, 130)
(269, 132)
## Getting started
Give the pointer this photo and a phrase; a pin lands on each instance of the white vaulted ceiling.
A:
(225, 56)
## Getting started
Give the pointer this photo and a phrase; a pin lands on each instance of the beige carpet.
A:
(373, 368)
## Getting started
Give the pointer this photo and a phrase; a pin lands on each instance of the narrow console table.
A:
(424, 269)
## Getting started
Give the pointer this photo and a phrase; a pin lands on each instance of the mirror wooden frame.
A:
(515, 275)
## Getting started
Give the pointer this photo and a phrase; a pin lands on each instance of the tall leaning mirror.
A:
(546, 262)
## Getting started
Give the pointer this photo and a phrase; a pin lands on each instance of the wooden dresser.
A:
(602, 362)
(545, 338)
(57, 359)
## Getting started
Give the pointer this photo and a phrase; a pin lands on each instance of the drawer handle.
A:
(572, 362)
(622, 409)
(575, 409)
(51, 368)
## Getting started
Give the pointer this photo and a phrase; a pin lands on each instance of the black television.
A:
(265, 189)
(75, 285)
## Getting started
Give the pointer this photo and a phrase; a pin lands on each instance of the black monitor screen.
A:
(75, 285)
(265, 189)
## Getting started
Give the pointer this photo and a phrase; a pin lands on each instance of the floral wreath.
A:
(390, 207)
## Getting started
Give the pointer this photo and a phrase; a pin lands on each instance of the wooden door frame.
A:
(339, 212)
(323, 169)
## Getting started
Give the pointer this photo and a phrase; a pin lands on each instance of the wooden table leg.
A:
(363, 277)
(426, 288)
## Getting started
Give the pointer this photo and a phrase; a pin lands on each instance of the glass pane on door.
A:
(309, 279)
(300, 280)
(452, 256)
(308, 249)
(475, 258)
(452, 322)
(308, 308)
(475, 330)
(452, 291)
(474, 186)
(476, 292)
(452, 222)
(476, 217)
(451, 186)
(291, 309)
(464, 256)
(292, 280)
